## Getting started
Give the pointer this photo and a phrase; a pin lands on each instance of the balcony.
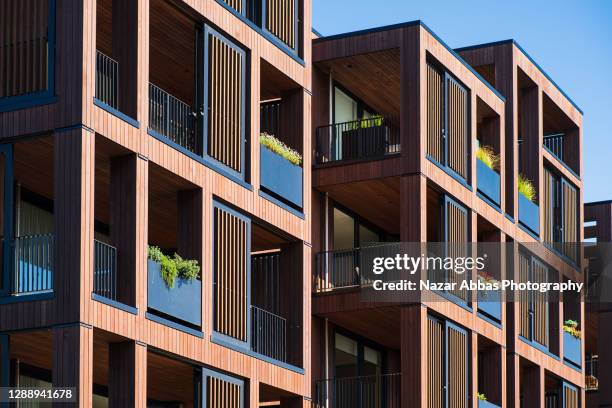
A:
(107, 80)
(591, 373)
(488, 182)
(374, 391)
(571, 349)
(339, 269)
(364, 139)
(172, 118)
(105, 270)
(529, 214)
(268, 334)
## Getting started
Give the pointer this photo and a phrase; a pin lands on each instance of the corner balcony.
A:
(364, 139)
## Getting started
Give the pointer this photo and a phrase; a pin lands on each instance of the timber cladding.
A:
(281, 21)
(223, 394)
(24, 47)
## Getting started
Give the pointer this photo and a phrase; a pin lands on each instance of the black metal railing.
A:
(172, 118)
(105, 270)
(33, 264)
(107, 80)
(369, 138)
(340, 268)
(269, 118)
(554, 143)
(591, 373)
(268, 334)
(375, 391)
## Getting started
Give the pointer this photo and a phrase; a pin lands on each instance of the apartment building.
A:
(398, 118)
(129, 132)
(598, 235)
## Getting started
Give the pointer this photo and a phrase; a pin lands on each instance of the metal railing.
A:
(107, 80)
(375, 391)
(591, 373)
(105, 270)
(554, 143)
(359, 139)
(33, 264)
(340, 268)
(172, 118)
(268, 334)
(269, 118)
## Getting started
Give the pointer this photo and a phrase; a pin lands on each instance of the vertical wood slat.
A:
(435, 345)
(231, 291)
(456, 233)
(549, 206)
(23, 46)
(236, 5)
(540, 304)
(222, 394)
(434, 113)
(225, 103)
(280, 20)
(457, 368)
(570, 397)
(523, 296)
(457, 129)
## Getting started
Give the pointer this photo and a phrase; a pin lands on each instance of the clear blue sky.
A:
(570, 40)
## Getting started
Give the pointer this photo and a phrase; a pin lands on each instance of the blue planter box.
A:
(486, 404)
(529, 214)
(183, 301)
(280, 177)
(571, 348)
(488, 182)
(489, 303)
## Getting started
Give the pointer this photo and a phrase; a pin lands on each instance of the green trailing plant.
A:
(571, 327)
(526, 188)
(487, 155)
(278, 147)
(481, 396)
(372, 121)
(174, 267)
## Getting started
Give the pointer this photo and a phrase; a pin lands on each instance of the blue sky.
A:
(568, 39)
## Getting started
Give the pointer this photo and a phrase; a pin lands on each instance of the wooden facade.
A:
(108, 177)
(449, 102)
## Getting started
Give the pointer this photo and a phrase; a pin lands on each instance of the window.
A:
(447, 122)
(27, 47)
(224, 103)
(352, 232)
(447, 350)
(352, 358)
(560, 215)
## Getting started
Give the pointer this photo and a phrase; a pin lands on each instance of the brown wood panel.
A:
(222, 394)
(24, 47)
(73, 361)
(122, 374)
(435, 115)
(435, 350)
(457, 355)
(457, 127)
(540, 305)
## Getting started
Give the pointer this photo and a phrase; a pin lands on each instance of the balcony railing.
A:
(554, 143)
(591, 381)
(105, 270)
(33, 264)
(340, 268)
(269, 334)
(376, 391)
(107, 80)
(369, 138)
(172, 118)
(269, 117)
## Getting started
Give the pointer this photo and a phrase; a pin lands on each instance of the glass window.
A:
(345, 107)
(367, 236)
(344, 230)
(346, 357)
(372, 361)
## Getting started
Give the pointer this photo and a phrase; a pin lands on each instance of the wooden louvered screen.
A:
(523, 296)
(457, 355)
(548, 234)
(231, 273)
(237, 5)
(435, 124)
(457, 127)
(456, 232)
(281, 21)
(223, 393)
(540, 304)
(569, 212)
(570, 396)
(24, 46)
(225, 101)
(435, 351)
